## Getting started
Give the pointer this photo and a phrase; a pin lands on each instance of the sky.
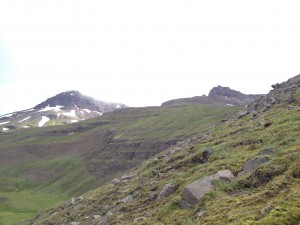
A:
(143, 53)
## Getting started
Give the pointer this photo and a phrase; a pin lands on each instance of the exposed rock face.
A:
(226, 92)
(194, 192)
(284, 93)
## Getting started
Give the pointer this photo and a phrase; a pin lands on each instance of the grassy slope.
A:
(276, 183)
(45, 165)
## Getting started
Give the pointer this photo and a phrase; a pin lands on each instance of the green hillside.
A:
(268, 193)
(41, 167)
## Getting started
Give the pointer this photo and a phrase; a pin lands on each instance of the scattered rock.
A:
(116, 181)
(128, 199)
(200, 214)
(68, 204)
(267, 151)
(194, 192)
(266, 209)
(167, 190)
(251, 165)
(203, 158)
(147, 214)
(139, 219)
(242, 114)
(120, 216)
(74, 223)
(128, 176)
(96, 216)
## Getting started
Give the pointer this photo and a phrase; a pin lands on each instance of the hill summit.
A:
(218, 96)
(64, 108)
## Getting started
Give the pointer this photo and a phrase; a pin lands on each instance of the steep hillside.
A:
(218, 96)
(43, 166)
(64, 108)
(245, 171)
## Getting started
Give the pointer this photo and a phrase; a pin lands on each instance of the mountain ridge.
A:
(218, 96)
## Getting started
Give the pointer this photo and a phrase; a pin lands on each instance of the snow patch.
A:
(72, 113)
(99, 113)
(118, 106)
(74, 121)
(4, 123)
(71, 94)
(87, 110)
(71, 133)
(7, 115)
(44, 120)
(48, 108)
(229, 105)
(26, 126)
(24, 119)
(5, 129)
(27, 110)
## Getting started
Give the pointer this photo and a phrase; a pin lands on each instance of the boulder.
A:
(242, 114)
(139, 219)
(251, 165)
(194, 192)
(128, 199)
(167, 190)
(128, 177)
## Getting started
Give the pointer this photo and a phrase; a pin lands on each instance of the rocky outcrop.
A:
(226, 92)
(284, 93)
(194, 192)
(218, 96)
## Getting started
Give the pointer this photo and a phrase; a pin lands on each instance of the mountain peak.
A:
(63, 108)
(220, 91)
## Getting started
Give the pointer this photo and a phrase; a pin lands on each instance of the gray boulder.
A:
(251, 165)
(194, 192)
(167, 190)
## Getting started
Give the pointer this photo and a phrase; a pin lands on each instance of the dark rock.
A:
(242, 114)
(275, 86)
(206, 153)
(267, 151)
(194, 192)
(167, 190)
(251, 165)
(203, 157)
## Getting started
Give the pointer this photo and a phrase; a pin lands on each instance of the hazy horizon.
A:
(143, 53)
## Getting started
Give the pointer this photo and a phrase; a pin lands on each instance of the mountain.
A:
(218, 96)
(242, 171)
(64, 108)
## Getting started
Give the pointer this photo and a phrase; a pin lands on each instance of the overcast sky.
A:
(144, 52)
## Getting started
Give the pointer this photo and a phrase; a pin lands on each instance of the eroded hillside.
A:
(250, 165)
